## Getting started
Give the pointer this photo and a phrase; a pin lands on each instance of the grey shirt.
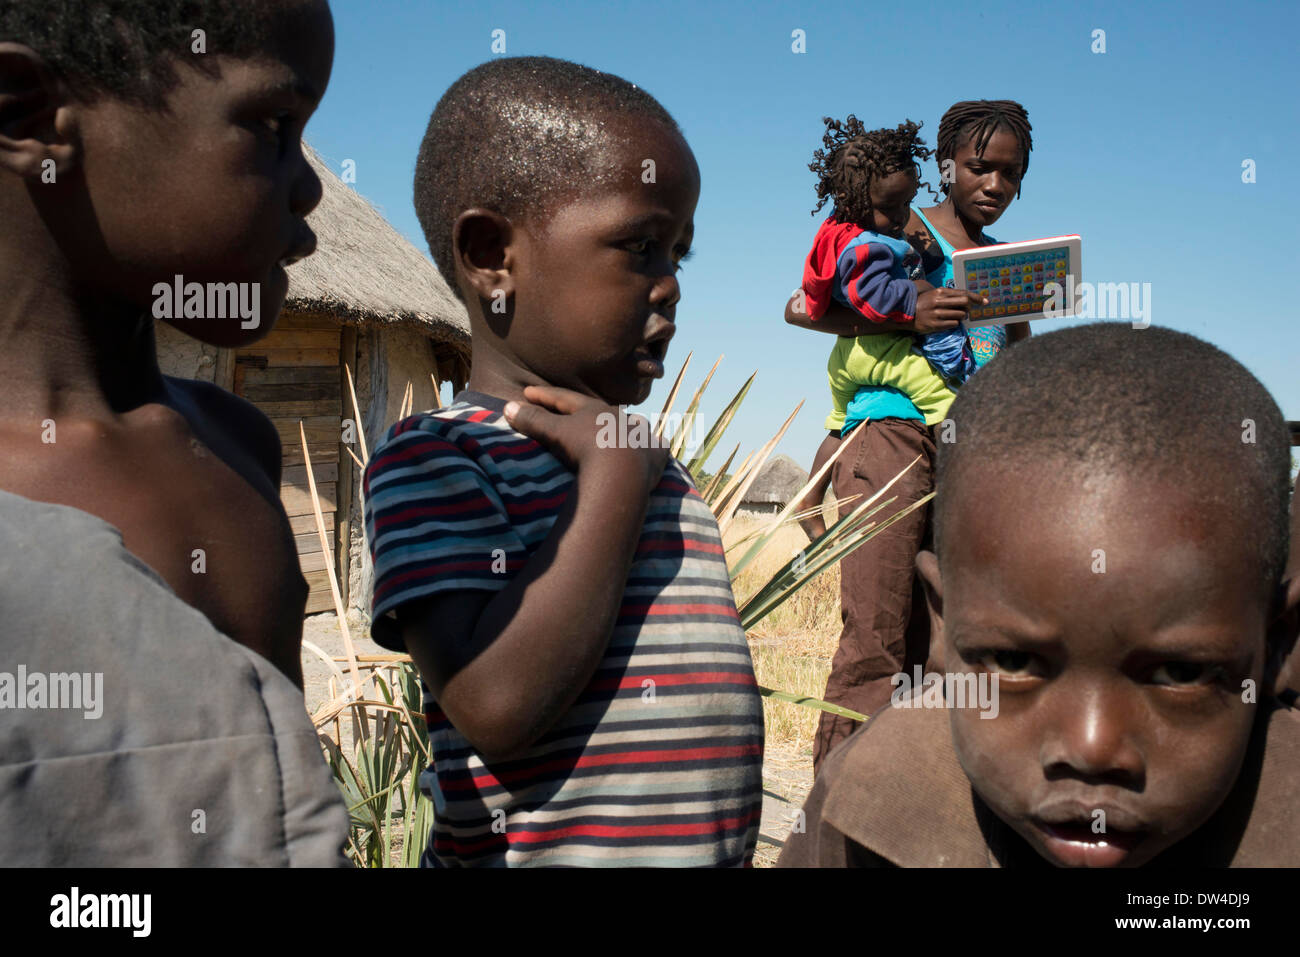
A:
(201, 753)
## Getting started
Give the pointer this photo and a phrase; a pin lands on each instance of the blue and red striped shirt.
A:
(659, 761)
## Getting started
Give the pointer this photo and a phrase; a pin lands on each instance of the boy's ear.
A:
(38, 138)
(927, 567)
(482, 242)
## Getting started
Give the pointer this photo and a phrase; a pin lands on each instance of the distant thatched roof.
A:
(778, 482)
(364, 271)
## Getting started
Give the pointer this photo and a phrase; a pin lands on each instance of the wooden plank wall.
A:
(294, 375)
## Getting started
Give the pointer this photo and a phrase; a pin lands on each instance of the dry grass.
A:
(793, 646)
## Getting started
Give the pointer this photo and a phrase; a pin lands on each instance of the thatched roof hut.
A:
(365, 273)
(367, 299)
(780, 480)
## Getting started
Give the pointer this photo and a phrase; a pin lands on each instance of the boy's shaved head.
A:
(1106, 398)
(1113, 518)
(128, 48)
(517, 136)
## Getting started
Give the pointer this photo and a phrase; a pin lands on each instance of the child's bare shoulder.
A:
(231, 426)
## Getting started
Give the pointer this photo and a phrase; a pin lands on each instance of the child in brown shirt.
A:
(1109, 555)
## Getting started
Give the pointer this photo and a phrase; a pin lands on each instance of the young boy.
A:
(140, 143)
(591, 699)
(133, 159)
(1129, 606)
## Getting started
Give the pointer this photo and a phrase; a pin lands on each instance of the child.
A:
(133, 153)
(860, 259)
(199, 175)
(1129, 609)
(590, 695)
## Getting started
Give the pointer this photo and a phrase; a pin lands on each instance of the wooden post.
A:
(224, 374)
(348, 477)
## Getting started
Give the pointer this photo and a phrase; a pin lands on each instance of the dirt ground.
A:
(787, 779)
(323, 631)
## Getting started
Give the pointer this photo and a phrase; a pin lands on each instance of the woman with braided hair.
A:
(983, 153)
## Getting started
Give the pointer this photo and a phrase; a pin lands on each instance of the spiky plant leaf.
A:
(788, 580)
(807, 702)
(770, 533)
(682, 435)
(723, 497)
(716, 481)
(672, 397)
(714, 435)
(729, 511)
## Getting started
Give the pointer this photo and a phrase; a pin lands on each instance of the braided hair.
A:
(855, 157)
(976, 121)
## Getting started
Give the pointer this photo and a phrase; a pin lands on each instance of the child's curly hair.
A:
(855, 157)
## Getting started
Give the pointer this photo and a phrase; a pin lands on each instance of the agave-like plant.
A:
(850, 532)
(381, 781)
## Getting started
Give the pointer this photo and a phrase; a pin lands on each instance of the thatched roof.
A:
(778, 481)
(364, 271)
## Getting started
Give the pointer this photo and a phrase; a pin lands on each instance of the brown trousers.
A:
(886, 627)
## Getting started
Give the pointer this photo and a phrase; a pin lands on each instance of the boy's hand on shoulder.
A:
(938, 310)
(587, 434)
(503, 665)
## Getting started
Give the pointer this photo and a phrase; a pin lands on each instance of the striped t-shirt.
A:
(659, 761)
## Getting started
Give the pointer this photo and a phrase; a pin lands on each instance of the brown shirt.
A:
(894, 794)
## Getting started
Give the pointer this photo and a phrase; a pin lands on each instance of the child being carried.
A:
(861, 259)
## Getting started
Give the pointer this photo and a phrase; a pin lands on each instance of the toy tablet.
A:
(1012, 277)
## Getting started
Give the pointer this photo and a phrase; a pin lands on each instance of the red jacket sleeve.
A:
(863, 274)
(821, 269)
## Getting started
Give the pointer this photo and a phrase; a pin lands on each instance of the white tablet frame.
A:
(1071, 284)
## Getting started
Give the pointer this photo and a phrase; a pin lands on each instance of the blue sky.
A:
(1138, 149)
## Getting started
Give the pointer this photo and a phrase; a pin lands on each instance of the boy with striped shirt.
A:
(589, 690)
